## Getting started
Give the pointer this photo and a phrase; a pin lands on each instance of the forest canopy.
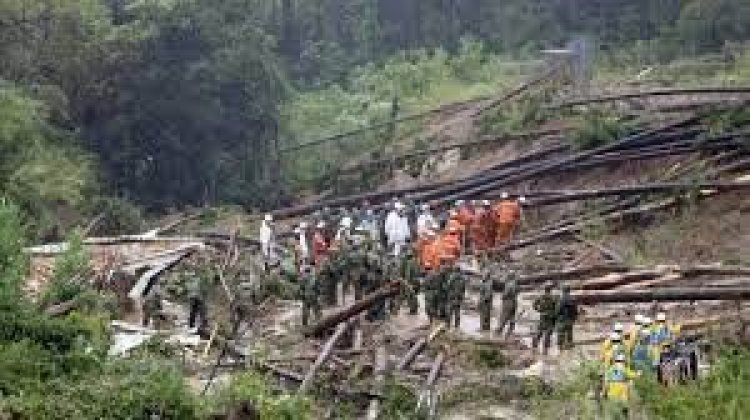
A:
(173, 103)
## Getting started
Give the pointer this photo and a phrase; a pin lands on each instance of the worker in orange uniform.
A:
(450, 243)
(429, 252)
(319, 244)
(507, 214)
(465, 216)
(482, 228)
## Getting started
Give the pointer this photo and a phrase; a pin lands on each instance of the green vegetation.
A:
(723, 393)
(596, 128)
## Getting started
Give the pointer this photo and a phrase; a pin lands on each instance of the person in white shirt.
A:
(267, 238)
(397, 229)
(303, 243)
(425, 222)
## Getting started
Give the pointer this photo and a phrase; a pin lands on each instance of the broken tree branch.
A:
(418, 347)
(330, 320)
(662, 295)
(325, 353)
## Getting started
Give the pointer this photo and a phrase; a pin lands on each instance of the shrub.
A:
(597, 128)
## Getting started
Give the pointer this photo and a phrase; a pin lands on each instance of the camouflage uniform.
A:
(546, 305)
(374, 281)
(196, 298)
(486, 295)
(310, 296)
(456, 292)
(327, 277)
(510, 305)
(431, 285)
(411, 273)
(567, 313)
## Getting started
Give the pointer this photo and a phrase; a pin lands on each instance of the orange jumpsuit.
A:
(466, 216)
(507, 214)
(481, 231)
(450, 244)
(430, 257)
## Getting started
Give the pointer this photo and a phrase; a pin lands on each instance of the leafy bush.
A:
(597, 128)
(13, 262)
(70, 273)
(250, 387)
(723, 394)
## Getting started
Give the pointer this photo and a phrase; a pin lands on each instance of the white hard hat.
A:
(303, 225)
(615, 336)
(504, 195)
(425, 207)
(346, 222)
(268, 218)
(619, 357)
(618, 327)
(297, 230)
(321, 224)
(522, 200)
(644, 332)
(485, 202)
(459, 203)
(539, 252)
(639, 319)
(398, 205)
(646, 320)
(661, 316)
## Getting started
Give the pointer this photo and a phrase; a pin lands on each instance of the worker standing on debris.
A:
(465, 211)
(450, 243)
(486, 295)
(617, 383)
(606, 345)
(456, 293)
(304, 244)
(662, 334)
(546, 306)
(510, 304)
(151, 308)
(197, 304)
(397, 229)
(640, 356)
(425, 222)
(411, 274)
(267, 239)
(632, 335)
(615, 347)
(567, 314)
(507, 213)
(319, 244)
(310, 295)
(481, 228)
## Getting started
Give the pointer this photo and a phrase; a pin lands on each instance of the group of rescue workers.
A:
(357, 252)
(642, 349)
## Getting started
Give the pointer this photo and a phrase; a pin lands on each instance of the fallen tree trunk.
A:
(574, 273)
(385, 292)
(549, 167)
(662, 295)
(673, 187)
(656, 92)
(418, 347)
(325, 353)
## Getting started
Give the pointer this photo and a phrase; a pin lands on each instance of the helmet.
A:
(522, 200)
(618, 327)
(346, 222)
(638, 319)
(486, 203)
(646, 320)
(268, 218)
(459, 203)
(398, 206)
(615, 336)
(661, 317)
(425, 207)
(504, 195)
(452, 213)
(321, 224)
(644, 332)
(303, 225)
(619, 357)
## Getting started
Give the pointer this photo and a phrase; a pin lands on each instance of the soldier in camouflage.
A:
(310, 295)
(567, 314)
(456, 282)
(546, 305)
(486, 295)
(510, 304)
(152, 308)
(411, 273)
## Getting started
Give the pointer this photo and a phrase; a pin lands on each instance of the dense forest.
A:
(170, 103)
